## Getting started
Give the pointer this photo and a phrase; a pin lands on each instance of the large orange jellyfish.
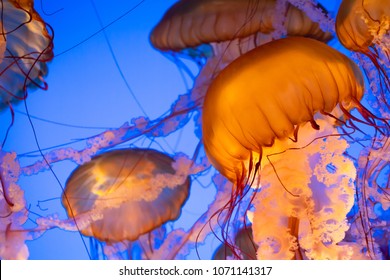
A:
(260, 98)
(28, 48)
(127, 193)
(260, 101)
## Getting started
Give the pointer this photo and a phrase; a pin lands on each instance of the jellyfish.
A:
(130, 190)
(235, 128)
(13, 213)
(253, 107)
(363, 27)
(232, 28)
(170, 241)
(28, 48)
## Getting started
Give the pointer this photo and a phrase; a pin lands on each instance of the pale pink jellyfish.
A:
(28, 47)
(126, 193)
(13, 212)
(301, 214)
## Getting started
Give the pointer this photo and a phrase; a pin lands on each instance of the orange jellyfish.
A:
(232, 28)
(260, 98)
(190, 23)
(28, 47)
(363, 26)
(126, 193)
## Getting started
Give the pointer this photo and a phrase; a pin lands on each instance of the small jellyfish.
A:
(128, 192)
(28, 47)
(363, 26)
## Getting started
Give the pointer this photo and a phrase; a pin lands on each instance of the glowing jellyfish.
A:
(232, 28)
(300, 214)
(253, 102)
(315, 218)
(253, 107)
(364, 24)
(129, 192)
(28, 48)
(190, 23)
(363, 27)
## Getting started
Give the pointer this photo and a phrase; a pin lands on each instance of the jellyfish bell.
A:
(362, 24)
(232, 28)
(259, 99)
(28, 48)
(132, 191)
(190, 23)
(364, 27)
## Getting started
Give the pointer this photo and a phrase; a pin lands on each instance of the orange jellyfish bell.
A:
(232, 28)
(190, 23)
(362, 23)
(126, 192)
(28, 47)
(266, 94)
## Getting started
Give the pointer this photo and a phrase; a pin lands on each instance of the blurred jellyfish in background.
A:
(28, 46)
(363, 27)
(299, 149)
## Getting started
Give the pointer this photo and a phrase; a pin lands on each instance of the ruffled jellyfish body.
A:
(28, 49)
(129, 190)
(306, 194)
